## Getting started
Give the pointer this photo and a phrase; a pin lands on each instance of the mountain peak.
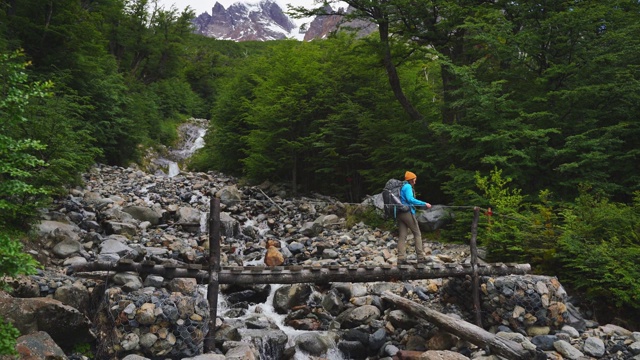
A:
(261, 21)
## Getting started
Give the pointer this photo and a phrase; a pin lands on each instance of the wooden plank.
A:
(296, 274)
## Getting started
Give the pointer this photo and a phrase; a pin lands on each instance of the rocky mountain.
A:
(267, 21)
(245, 22)
(322, 26)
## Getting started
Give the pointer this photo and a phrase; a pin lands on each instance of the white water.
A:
(194, 140)
(174, 169)
(199, 142)
(267, 310)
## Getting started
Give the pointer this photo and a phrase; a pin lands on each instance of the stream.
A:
(193, 139)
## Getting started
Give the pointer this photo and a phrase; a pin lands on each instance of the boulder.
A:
(66, 325)
(39, 346)
(143, 213)
(434, 218)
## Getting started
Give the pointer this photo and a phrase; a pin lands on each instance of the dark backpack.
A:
(391, 198)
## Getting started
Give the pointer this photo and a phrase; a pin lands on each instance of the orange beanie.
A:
(409, 175)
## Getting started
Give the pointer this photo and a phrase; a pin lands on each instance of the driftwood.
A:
(306, 274)
(472, 333)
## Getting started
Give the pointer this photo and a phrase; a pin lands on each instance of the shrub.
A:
(600, 247)
(8, 336)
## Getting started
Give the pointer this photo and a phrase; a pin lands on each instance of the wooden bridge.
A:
(214, 274)
(295, 274)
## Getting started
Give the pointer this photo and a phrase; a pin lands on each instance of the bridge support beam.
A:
(309, 274)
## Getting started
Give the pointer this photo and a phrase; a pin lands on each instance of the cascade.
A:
(192, 140)
(271, 344)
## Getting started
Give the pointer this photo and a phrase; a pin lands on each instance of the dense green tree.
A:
(19, 196)
(287, 101)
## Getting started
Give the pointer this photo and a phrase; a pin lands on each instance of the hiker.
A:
(407, 220)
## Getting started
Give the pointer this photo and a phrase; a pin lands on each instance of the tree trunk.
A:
(472, 333)
(392, 73)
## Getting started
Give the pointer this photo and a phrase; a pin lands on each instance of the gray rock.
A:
(186, 286)
(66, 247)
(65, 324)
(153, 281)
(113, 246)
(229, 195)
(352, 349)
(57, 229)
(207, 357)
(313, 343)
(567, 350)
(593, 346)
(122, 278)
(442, 355)
(330, 254)
(357, 316)
(544, 342)
(274, 340)
(143, 213)
(377, 339)
(242, 352)
(401, 320)
(332, 302)
(130, 342)
(76, 296)
(391, 350)
(120, 228)
(74, 260)
(38, 346)
(434, 218)
(135, 357)
(571, 331)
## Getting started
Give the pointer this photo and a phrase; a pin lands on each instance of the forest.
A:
(527, 108)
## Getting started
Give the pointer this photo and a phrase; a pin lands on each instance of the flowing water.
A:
(194, 140)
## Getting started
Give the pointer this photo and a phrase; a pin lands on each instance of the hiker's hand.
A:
(428, 206)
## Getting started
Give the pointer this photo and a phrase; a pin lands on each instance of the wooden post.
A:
(214, 269)
(474, 265)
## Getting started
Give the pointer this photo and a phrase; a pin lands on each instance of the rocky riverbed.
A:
(127, 213)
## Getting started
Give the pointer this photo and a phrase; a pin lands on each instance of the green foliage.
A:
(8, 336)
(19, 196)
(84, 349)
(12, 260)
(599, 249)
(69, 149)
(504, 236)
(368, 215)
(517, 230)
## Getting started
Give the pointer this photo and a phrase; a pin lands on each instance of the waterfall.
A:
(193, 133)
(174, 169)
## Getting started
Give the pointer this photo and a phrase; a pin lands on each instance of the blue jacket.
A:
(406, 196)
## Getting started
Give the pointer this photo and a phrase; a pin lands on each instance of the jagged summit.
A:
(260, 21)
(266, 20)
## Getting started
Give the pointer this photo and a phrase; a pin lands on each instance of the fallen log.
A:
(472, 333)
